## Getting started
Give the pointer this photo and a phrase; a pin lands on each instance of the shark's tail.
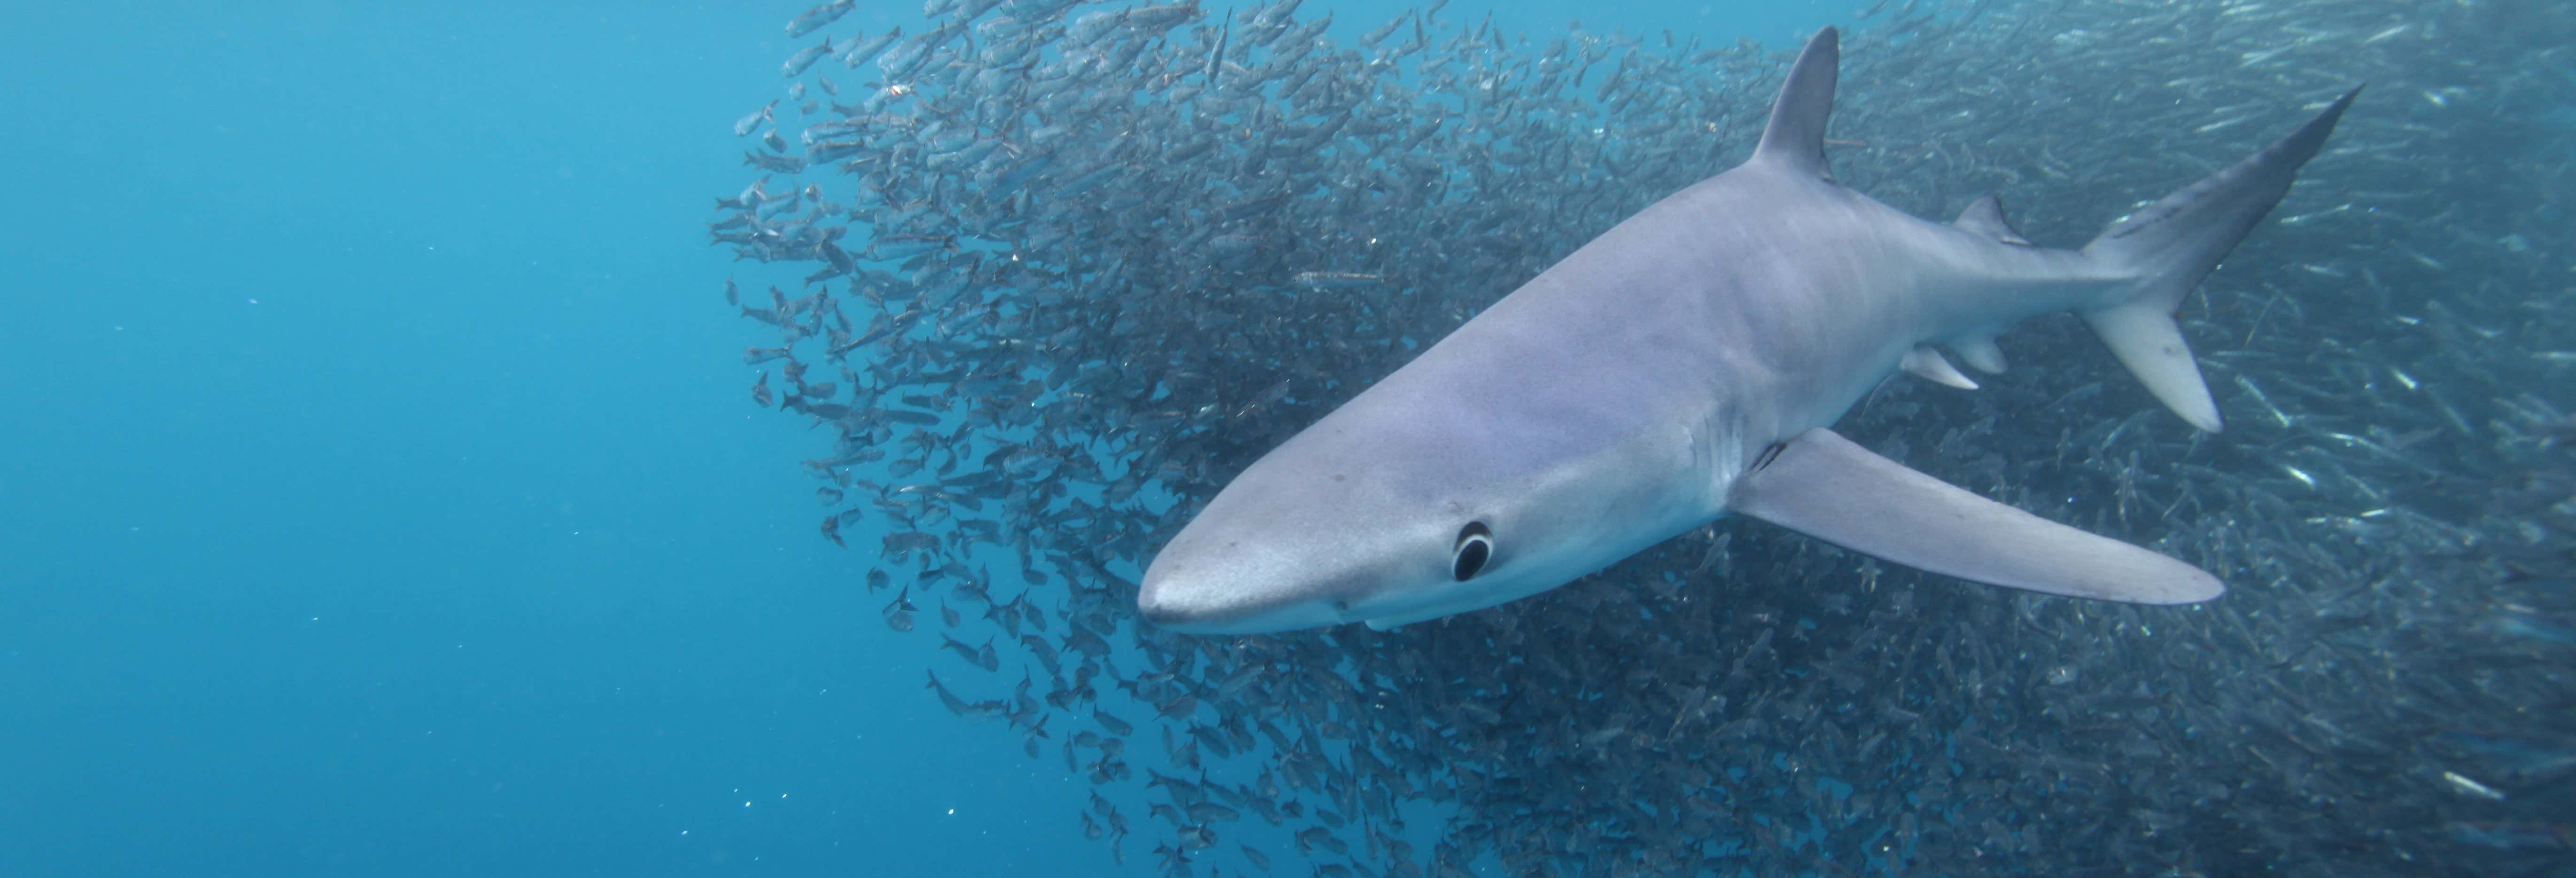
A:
(2171, 244)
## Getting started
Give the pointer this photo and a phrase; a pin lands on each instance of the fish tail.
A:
(2169, 246)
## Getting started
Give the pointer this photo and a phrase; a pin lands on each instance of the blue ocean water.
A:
(380, 492)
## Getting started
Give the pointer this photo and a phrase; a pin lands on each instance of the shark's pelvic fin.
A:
(1985, 216)
(1929, 365)
(2172, 244)
(1822, 485)
(1795, 137)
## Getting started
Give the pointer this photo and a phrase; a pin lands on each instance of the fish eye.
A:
(1475, 546)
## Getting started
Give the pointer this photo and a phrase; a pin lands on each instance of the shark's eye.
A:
(1475, 546)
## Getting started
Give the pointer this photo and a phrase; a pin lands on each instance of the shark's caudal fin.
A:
(1822, 485)
(2171, 244)
(1795, 137)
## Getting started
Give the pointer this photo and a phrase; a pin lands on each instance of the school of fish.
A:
(1047, 273)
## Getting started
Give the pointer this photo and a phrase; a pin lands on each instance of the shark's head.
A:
(1283, 548)
(1396, 520)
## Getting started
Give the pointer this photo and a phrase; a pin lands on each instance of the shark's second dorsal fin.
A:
(1985, 216)
(1796, 135)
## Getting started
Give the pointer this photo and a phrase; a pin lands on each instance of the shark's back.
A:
(1756, 294)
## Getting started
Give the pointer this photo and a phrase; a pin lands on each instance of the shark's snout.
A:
(1184, 597)
(1162, 604)
(1349, 521)
(1196, 594)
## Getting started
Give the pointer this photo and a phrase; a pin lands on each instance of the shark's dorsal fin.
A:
(1795, 138)
(1822, 485)
(1985, 216)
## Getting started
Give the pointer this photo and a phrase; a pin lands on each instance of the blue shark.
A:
(1686, 366)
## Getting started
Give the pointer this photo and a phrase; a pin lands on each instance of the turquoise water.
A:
(379, 493)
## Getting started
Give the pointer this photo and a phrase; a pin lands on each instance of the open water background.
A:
(378, 495)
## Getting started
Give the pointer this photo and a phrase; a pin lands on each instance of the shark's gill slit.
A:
(1768, 455)
(1475, 545)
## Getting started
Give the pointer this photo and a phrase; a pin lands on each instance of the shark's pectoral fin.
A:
(1822, 485)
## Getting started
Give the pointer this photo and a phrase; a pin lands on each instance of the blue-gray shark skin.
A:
(1684, 366)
